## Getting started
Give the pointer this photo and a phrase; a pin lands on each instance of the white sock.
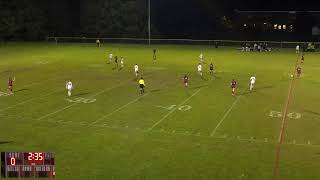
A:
(69, 93)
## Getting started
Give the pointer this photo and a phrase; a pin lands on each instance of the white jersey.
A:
(122, 61)
(69, 85)
(298, 47)
(136, 68)
(110, 56)
(199, 67)
(253, 80)
(201, 56)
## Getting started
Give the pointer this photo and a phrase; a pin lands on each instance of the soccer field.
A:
(107, 130)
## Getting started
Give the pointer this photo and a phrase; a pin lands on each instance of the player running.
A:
(185, 80)
(200, 69)
(122, 62)
(69, 87)
(154, 54)
(299, 71)
(211, 68)
(252, 82)
(141, 85)
(110, 58)
(98, 42)
(233, 86)
(136, 69)
(201, 57)
(10, 84)
(302, 59)
(116, 61)
(297, 49)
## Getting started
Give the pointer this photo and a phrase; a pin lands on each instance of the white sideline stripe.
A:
(23, 102)
(224, 116)
(174, 109)
(120, 108)
(62, 109)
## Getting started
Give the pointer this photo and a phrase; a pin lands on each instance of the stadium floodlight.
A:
(149, 25)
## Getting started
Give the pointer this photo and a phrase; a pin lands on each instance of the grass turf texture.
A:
(124, 135)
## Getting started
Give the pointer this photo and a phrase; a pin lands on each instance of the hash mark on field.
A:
(224, 116)
(174, 109)
(120, 108)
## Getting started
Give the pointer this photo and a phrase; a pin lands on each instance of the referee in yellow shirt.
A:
(141, 85)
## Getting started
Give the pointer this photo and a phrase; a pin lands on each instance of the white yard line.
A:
(23, 102)
(174, 133)
(120, 108)
(64, 108)
(224, 116)
(174, 109)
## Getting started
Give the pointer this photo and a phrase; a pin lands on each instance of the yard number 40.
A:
(292, 115)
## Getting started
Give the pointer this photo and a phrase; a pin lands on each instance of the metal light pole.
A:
(149, 25)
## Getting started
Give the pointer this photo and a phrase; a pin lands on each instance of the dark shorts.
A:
(141, 86)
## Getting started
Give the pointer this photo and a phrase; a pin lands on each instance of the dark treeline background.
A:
(197, 19)
(37, 19)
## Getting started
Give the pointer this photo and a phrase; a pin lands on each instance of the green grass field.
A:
(107, 130)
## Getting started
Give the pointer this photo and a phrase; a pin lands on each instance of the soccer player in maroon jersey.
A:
(185, 80)
(116, 61)
(233, 86)
(211, 68)
(302, 59)
(10, 84)
(298, 71)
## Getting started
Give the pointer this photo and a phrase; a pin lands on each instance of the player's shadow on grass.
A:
(312, 112)
(6, 71)
(155, 90)
(5, 142)
(197, 87)
(215, 76)
(20, 90)
(256, 89)
(81, 94)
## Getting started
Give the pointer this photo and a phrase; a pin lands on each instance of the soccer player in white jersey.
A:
(200, 69)
(297, 49)
(69, 87)
(201, 57)
(252, 82)
(110, 58)
(122, 62)
(136, 69)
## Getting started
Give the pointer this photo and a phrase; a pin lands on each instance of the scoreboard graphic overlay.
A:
(27, 164)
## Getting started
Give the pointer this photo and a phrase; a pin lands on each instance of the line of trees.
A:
(37, 19)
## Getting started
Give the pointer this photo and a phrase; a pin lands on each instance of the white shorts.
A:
(252, 82)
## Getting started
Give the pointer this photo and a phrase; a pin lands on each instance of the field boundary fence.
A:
(305, 45)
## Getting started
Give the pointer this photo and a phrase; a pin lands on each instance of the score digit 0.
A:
(13, 161)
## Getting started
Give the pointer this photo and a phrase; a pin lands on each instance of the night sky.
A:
(128, 18)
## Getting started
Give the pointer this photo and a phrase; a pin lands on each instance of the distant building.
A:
(278, 25)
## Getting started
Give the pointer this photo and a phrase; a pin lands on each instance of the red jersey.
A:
(10, 82)
(233, 84)
(211, 66)
(299, 70)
